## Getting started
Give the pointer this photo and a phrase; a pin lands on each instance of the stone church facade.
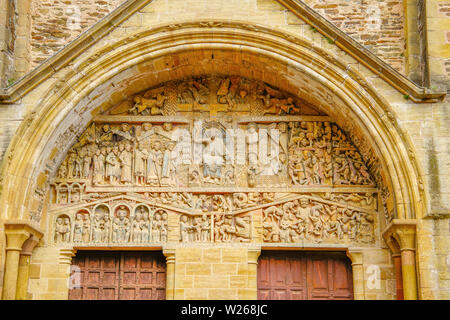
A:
(210, 149)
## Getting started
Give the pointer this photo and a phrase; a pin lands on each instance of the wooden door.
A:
(118, 276)
(281, 277)
(142, 277)
(304, 275)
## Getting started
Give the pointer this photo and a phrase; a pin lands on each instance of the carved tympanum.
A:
(210, 149)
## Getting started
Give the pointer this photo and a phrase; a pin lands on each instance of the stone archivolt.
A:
(211, 149)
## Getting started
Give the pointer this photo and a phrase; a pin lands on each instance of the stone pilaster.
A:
(356, 256)
(169, 253)
(397, 259)
(24, 267)
(406, 237)
(253, 255)
(65, 262)
(404, 233)
(16, 235)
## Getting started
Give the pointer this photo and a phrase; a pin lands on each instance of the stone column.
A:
(24, 267)
(405, 236)
(398, 275)
(356, 256)
(396, 257)
(404, 233)
(253, 255)
(15, 238)
(170, 273)
(65, 260)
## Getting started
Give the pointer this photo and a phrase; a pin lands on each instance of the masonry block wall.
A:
(376, 24)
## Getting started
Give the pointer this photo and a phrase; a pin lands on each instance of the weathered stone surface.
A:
(207, 269)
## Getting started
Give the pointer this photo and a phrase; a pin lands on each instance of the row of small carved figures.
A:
(141, 230)
(122, 230)
(303, 170)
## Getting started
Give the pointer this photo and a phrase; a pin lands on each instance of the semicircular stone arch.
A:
(307, 153)
(134, 77)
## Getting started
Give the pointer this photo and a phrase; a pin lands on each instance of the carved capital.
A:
(406, 237)
(17, 233)
(356, 256)
(169, 253)
(66, 255)
(253, 255)
(393, 246)
(15, 239)
(400, 235)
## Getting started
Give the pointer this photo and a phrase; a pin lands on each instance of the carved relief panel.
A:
(306, 220)
(115, 222)
(206, 151)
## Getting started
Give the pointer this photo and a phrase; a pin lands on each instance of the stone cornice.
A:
(331, 32)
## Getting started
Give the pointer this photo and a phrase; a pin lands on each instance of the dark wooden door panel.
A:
(119, 276)
(304, 275)
(142, 277)
(319, 278)
(343, 280)
(281, 276)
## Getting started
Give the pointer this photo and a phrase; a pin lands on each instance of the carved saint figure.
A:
(156, 228)
(213, 155)
(140, 160)
(185, 229)
(205, 228)
(121, 226)
(87, 158)
(78, 228)
(126, 158)
(99, 167)
(168, 171)
(154, 164)
(112, 163)
(99, 227)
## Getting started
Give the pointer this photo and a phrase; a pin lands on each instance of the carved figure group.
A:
(304, 219)
(125, 155)
(143, 227)
(195, 228)
(140, 153)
